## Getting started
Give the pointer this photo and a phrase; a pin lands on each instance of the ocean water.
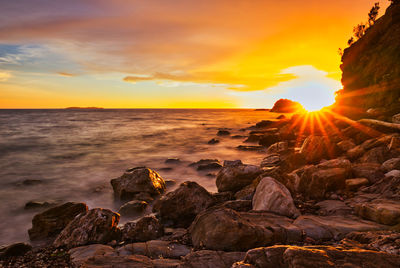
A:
(75, 153)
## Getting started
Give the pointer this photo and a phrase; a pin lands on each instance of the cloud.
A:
(4, 76)
(65, 74)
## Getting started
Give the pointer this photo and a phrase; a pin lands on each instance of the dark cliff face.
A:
(371, 67)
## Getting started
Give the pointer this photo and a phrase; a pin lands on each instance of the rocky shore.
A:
(322, 197)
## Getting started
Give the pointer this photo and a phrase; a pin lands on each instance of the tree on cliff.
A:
(373, 14)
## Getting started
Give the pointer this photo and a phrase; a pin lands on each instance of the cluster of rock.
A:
(332, 201)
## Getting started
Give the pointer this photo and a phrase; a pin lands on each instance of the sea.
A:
(61, 155)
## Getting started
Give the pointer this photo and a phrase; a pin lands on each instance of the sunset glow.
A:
(158, 54)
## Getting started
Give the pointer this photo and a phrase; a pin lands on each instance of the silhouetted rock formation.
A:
(371, 69)
(286, 106)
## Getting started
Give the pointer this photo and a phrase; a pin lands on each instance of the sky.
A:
(173, 54)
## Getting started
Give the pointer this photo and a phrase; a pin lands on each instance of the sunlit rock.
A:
(235, 177)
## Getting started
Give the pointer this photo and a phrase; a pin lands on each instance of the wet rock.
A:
(355, 184)
(222, 197)
(333, 207)
(250, 148)
(203, 162)
(95, 226)
(155, 249)
(223, 133)
(213, 141)
(209, 166)
(104, 259)
(181, 206)
(315, 148)
(81, 255)
(17, 249)
(173, 161)
(224, 229)
(346, 145)
(40, 204)
(391, 164)
(214, 259)
(265, 123)
(381, 211)
(30, 182)
(254, 138)
(137, 181)
(370, 171)
(235, 177)
(132, 208)
(316, 257)
(246, 193)
(51, 222)
(273, 196)
(144, 229)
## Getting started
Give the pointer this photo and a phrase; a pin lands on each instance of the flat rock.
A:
(214, 259)
(354, 184)
(155, 249)
(181, 206)
(95, 226)
(371, 171)
(51, 222)
(282, 256)
(333, 207)
(273, 196)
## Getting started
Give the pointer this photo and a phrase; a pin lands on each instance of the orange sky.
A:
(172, 54)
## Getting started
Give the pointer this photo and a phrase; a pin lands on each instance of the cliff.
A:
(371, 68)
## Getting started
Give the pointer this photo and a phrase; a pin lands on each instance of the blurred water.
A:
(76, 153)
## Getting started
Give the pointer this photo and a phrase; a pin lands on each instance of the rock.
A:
(394, 143)
(155, 249)
(238, 205)
(271, 160)
(51, 222)
(391, 164)
(222, 197)
(393, 173)
(287, 106)
(281, 117)
(223, 133)
(253, 138)
(31, 182)
(250, 148)
(381, 211)
(173, 161)
(39, 204)
(213, 141)
(144, 229)
(138, 181)
(208, 166)
(17, 249)
(224, 229)
(279, 147)
(355, 152)
(386, 188)
(214, 259)
(370, 171)
(354, 184)
(95, 226)
(235, 177)
(269, 139)
(386, 241)
(265, 123)
(232, 163)
(181, 206)
(315, 148)
(333, 207)
(375, 155)
(396, 118)
(246, 193)
(273, 196)
(346, 145)
(282, 256)
(132, 208)
(381, 126)
(203, 162)
(80, 255)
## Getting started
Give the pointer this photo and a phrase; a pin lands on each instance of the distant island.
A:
(84, 108)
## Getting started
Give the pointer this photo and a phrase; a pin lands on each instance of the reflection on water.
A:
(75, 153)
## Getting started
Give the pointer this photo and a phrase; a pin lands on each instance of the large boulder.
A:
(234, 177)
(282, 256)
(316, 148)
(273, 196)
(224, 229)
(180, 207)
(51, 222)
(136, 182)
(95, 226)
(144, 229)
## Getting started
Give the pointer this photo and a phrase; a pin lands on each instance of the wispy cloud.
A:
(4, 76)
(65, 74)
